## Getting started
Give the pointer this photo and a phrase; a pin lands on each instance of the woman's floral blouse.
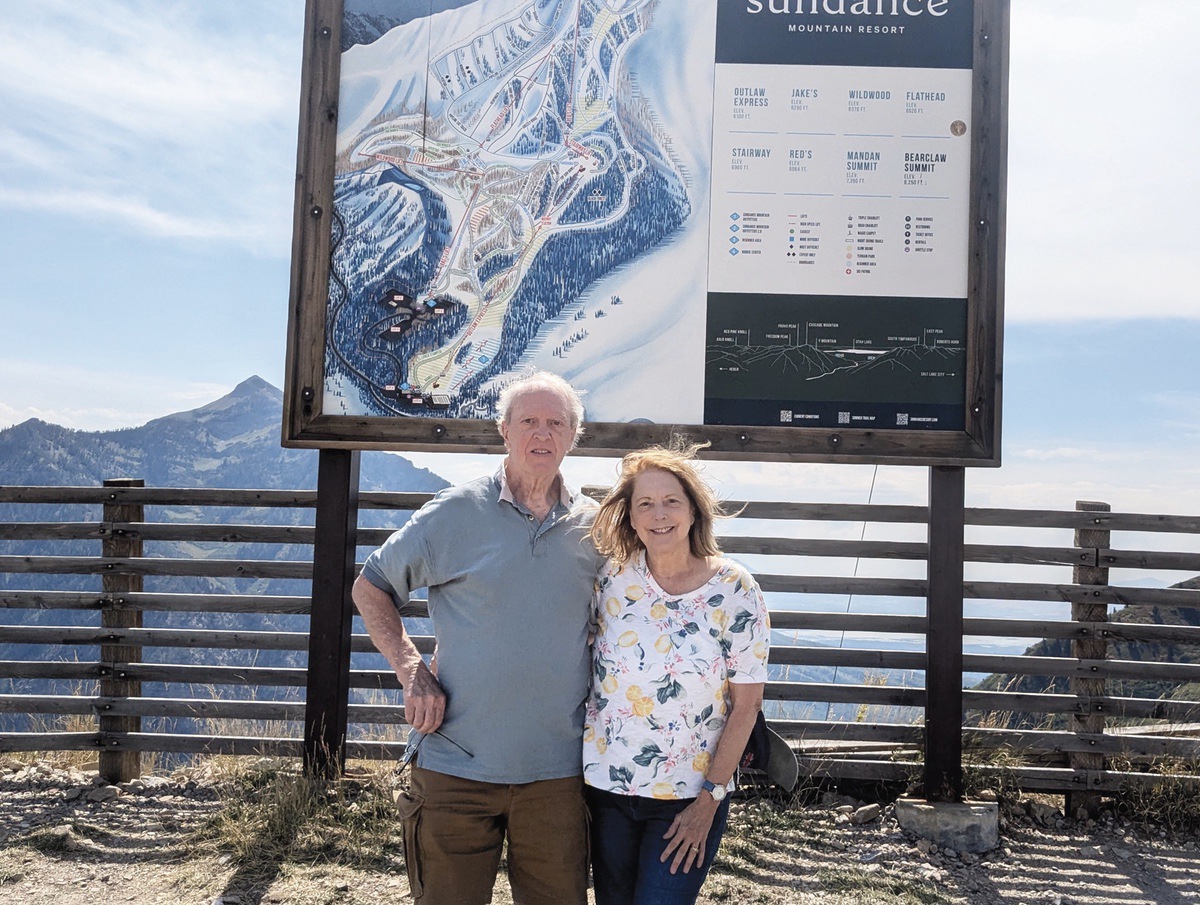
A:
(661, 666)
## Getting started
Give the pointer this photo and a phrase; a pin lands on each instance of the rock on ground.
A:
(68, 839)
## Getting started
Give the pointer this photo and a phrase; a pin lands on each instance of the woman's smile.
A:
(660, 510)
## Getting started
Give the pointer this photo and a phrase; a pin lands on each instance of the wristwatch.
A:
(716, 791)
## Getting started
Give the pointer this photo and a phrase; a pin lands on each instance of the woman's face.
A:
(660, 512)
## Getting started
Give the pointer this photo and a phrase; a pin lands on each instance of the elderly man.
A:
(509, 568)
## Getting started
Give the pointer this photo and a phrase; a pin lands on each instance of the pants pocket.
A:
(409, 806)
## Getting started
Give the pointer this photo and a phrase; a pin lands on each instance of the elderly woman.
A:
(678, 668)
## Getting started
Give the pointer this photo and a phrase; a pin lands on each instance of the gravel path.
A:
(64, 840)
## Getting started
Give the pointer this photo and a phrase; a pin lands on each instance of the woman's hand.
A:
(688, 834)
(689, 831)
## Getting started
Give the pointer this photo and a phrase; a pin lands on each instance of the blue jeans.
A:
(627, 841)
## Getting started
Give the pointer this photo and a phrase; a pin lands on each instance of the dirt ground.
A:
(64, 840)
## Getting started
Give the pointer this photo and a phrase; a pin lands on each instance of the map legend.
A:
(855, 167)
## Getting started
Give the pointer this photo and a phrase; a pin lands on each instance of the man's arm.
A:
(424, 699)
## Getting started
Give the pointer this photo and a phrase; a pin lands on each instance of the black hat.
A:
(767, 752)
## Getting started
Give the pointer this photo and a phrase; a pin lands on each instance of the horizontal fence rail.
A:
(150, 624)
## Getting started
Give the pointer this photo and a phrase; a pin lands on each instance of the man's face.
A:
(537, 434)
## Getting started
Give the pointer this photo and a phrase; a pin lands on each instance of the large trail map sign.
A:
(749, 218)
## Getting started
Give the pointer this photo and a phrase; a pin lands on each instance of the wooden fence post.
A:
(1088, 647)
(118, 764)
(326, 710)
(943, 638)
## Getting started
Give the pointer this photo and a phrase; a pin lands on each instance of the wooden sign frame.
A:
(305, 425)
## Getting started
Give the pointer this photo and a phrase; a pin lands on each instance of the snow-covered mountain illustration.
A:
(495, 166)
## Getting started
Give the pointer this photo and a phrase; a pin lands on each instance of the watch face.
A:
(717, 792)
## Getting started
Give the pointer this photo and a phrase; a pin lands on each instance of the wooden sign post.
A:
(325, 716)
(943, 639)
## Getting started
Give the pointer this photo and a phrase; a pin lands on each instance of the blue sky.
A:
(147, 159)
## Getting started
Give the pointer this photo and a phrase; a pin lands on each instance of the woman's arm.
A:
(689, 831)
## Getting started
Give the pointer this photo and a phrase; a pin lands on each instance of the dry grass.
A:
(272, 814)
(1172, 803)
(257, 829)
(257, 728)
(273, 820)
(83, 760)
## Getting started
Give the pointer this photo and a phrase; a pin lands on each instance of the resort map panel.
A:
(697, 212)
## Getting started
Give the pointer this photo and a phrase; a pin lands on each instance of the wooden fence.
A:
(847, 610)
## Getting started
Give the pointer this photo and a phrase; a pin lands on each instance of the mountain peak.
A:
(254, 384)
(250, 397)
(252, 389)
(230, 442)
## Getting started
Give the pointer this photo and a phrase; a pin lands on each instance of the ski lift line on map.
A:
(468, 332)
(414, 162)
(525, 74)
(485, 303)
(582, 150)
(444, 263)
(479, 354)
(471, 359)
(570, 118)
(441, 375)
(498, 121)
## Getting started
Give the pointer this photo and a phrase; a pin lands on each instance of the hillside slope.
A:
(232, 442)
(1150, 652)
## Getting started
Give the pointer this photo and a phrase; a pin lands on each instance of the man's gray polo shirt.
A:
(509, 599)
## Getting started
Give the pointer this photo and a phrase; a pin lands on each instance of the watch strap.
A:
(711, 788)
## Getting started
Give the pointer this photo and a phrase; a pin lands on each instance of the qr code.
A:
(901, 419)
(785, 416)
(843, 417)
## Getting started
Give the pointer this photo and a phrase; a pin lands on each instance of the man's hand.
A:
(424, 700)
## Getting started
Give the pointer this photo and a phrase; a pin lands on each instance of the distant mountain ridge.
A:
(1118, 649)
(230, 442)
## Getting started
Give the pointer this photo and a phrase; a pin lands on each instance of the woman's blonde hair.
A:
(612, 531)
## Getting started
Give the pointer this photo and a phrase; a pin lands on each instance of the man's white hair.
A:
(542, 380)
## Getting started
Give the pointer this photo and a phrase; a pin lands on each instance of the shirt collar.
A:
(566, 495)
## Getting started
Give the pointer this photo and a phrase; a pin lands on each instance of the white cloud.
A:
(1127, 476)
(86, 399)
(137, 213)
(1181, 412)
(1099, 193)
(149, 71)
(170, 119)
(1061, 453)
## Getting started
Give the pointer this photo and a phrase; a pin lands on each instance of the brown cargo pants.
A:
(454, 830)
